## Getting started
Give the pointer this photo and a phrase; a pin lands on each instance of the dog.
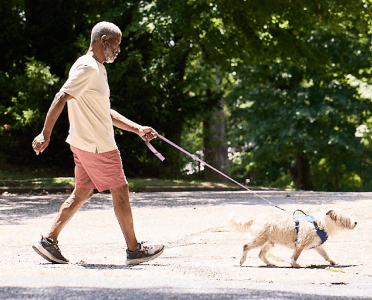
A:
(270, 229)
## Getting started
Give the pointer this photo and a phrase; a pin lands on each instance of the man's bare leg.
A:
(77, 198)
(48, 246)
(123, 211)
(136, 253)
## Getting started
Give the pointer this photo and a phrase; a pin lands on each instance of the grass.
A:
(27, 176)
(135, 184)
(141, 184)
(39, 182)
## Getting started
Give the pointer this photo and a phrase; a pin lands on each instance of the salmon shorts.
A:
(101, 171)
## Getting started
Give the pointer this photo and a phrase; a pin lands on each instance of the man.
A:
(91, 137)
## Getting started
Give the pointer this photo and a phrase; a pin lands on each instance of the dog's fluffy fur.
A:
(270, 229)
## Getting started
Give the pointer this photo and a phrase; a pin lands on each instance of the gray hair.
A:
(104, 28)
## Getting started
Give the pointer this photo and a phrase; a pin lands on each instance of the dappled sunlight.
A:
(18, 208)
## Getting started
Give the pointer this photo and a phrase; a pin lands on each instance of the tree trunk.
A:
(301, 173)
(215, 149)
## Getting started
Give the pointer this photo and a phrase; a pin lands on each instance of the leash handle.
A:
(153, 150)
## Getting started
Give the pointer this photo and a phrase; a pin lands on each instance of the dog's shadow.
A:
(324, 267)
(328, 266)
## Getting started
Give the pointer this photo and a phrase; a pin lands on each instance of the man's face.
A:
(112, 48)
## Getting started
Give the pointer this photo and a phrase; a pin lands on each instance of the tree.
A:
(178, 60)
(39, 41)
(307, 114)
(165, 70)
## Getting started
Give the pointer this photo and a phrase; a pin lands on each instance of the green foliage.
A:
(158, 79)
(13, 42)
(24, 115)
(284, 110)
(35, 89)
(192, 142)
(295, 74)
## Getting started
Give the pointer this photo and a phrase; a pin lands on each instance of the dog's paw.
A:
(295, 265)
(332, 262)
(242, 260)
(270, 265)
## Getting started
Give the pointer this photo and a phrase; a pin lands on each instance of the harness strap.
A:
(321, 233)
(297, 228)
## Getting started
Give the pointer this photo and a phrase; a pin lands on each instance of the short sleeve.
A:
(78, 81)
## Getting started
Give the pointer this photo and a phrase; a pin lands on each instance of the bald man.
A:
(98, 163)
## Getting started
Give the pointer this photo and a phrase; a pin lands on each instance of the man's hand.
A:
(40, 143)
(149, 132)
(42, 140)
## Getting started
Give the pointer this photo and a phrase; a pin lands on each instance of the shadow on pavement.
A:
(62, 293)
(324, 267)
(104, 266)
(16, 209)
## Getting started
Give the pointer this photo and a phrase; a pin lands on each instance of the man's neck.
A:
(96, 55)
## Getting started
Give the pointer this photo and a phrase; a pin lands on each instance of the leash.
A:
(153, 150)
(161, 157)
(321, 233)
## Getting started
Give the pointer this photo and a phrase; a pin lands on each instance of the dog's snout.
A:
(355, 223)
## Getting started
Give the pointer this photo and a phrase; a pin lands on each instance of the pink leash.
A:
(153, 150)
(161, 157)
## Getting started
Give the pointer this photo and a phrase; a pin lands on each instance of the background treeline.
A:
(275, 91)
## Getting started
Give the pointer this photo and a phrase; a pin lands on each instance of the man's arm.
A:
(122, 122)
(42, 140)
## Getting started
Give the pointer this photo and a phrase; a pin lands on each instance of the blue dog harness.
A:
(321, 233)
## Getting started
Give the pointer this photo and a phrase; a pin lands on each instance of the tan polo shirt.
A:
(91, 127)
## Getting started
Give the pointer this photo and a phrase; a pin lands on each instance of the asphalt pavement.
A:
(201, 259)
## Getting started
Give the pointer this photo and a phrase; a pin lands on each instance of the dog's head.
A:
(341, 219)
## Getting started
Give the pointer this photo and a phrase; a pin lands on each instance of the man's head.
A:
(105, 41)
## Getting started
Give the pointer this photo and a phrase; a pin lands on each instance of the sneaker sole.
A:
(144, 259)
(46, 255)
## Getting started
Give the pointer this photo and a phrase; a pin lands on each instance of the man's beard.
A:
(109, 55)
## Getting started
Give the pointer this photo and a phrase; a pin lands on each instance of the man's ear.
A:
(104, 39)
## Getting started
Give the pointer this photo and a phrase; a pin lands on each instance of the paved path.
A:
(201, 260)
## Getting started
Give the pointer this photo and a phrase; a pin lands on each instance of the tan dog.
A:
(271, 229)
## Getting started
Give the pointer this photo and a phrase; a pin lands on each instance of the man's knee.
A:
(121, 194)
(120, 190)
(78, 197)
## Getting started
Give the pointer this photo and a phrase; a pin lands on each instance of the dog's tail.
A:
(239, 224)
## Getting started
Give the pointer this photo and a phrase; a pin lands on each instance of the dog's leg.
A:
(254, 243)
(295, 256)
(264, 250)
(245, 252)
(321, 250)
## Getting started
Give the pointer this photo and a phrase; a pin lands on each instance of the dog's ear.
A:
(332, 214)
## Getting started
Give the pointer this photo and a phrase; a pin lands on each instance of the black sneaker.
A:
(50, 251)
(143, 253)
